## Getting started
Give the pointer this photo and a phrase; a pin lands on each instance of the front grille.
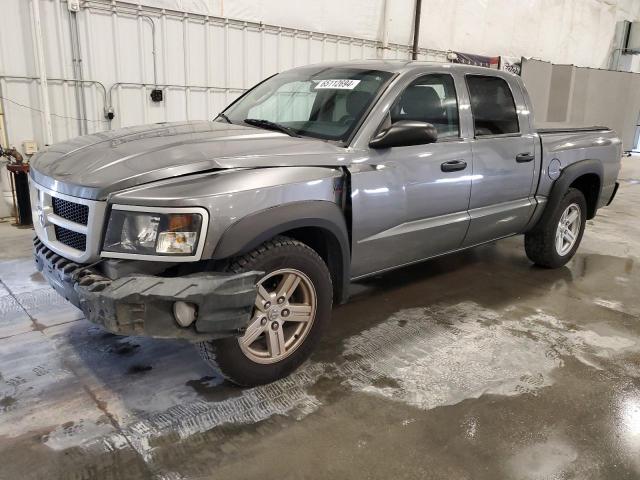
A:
(71, 239)
(70, 226)
(74, 212)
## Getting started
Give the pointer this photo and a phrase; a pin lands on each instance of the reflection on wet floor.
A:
(475, 365)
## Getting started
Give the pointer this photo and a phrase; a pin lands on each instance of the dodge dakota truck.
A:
(240, 233)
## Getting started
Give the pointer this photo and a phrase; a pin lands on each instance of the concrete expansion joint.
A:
(36, 326)
(102, 406)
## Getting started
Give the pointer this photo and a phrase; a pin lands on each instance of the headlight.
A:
(153, 233)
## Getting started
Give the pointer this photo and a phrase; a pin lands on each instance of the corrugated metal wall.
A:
(578, 32)
(200, 62)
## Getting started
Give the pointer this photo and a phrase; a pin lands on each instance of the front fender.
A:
(256, 228)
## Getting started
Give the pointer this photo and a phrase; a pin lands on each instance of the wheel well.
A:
(328, 247)
(589, 185)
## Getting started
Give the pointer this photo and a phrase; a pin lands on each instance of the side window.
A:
(492, 106)
(431, 99)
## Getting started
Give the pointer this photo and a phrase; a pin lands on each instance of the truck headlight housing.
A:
(165, 232)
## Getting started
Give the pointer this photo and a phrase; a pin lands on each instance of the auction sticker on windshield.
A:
(337, 84)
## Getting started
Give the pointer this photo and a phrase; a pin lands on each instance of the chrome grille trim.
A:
(45, 222)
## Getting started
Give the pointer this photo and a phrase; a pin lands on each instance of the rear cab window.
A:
(492, 106)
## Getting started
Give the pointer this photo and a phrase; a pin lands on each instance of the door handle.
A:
(453, 166)
(524, 157)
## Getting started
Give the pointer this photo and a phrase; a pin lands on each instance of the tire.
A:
(265, 360)
(542, 244)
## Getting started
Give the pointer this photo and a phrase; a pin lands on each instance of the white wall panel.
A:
(592, 96)
(556, 30)
(561, 31)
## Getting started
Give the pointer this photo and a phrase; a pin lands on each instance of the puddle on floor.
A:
(416, 358)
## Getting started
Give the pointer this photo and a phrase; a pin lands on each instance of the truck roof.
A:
(397, 66)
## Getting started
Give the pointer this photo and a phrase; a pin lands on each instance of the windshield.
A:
(326, 103)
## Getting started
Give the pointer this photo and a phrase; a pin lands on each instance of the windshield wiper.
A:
(268, 124)
(224, 117)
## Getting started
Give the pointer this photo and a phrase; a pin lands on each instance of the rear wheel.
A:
(292, 308)
(554, 244)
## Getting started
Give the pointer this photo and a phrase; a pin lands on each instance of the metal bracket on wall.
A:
(73, 5)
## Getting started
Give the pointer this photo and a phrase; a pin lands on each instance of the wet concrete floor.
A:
(473, 366)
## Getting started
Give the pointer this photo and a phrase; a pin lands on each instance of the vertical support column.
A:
(262, 38)
(385, 29)
(116, 56)
(62, 52)
(42, 72)
(4, 136)
(4, 142)
(385, 26)
(207, 66)
(293, 48)
(88, 29)
(245, 56)
(278, 47)
(77, 73)
(143, 68)
(416, 30)
(6, 189)
(226, 62)
(165, 75)
(187, 62)
(324, 45)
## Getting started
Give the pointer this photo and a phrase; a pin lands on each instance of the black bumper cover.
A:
(143, 304)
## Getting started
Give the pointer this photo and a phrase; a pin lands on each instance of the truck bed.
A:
(564, 145)
(555, 127)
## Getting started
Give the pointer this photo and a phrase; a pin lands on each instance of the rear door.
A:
(410, 203)
(503, 148)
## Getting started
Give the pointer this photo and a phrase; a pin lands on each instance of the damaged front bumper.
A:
(143, 304)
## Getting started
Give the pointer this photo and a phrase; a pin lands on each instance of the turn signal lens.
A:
(181, 221)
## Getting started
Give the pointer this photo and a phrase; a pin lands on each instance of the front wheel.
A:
(554, 244)
(292, 309)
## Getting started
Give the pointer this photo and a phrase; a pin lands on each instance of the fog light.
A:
(185, 313)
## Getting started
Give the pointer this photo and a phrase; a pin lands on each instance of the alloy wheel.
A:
(568, 229)
(283, 315)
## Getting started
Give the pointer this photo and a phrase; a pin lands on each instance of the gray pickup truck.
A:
(240, 233)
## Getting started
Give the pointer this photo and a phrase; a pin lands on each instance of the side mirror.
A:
(404, 134)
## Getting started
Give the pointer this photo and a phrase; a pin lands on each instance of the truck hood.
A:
(93, 166)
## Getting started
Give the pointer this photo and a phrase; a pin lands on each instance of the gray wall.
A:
(577, 96)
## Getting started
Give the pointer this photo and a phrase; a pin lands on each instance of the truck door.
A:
(410, 203)
(503, 160)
